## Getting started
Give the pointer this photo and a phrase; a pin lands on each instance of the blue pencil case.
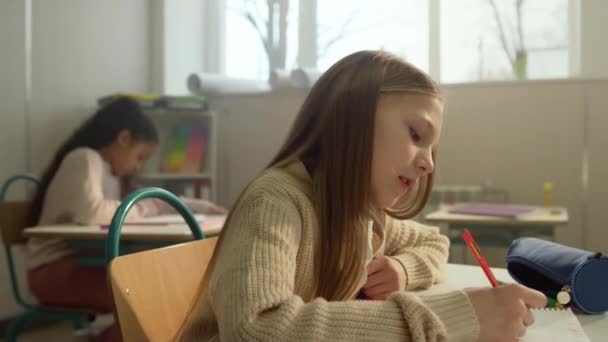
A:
(572, 276)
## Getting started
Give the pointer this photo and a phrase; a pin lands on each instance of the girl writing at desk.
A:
(327, 224)
(83, 185)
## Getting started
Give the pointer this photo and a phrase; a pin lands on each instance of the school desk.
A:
(463, 276)
(498, 231)
(142, 233)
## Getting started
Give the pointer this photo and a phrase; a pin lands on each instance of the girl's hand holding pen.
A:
(504, 312)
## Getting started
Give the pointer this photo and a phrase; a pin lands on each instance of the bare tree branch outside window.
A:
(516, 51)
(271, 28)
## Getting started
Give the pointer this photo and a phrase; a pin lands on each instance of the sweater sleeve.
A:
(420, 249)
(252, 292)
(80, 176)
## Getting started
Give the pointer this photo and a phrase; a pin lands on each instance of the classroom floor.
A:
(57, 332)
(63, 331)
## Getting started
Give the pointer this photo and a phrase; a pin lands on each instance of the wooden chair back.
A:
(153, 291)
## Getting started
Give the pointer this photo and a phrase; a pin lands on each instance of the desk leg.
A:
(451, 230)
(449, 236)
(494, 235)
(464, 254)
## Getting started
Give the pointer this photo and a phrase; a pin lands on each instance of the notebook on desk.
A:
(204, 221)
(489, 209)
(170, 219)
(554, 325)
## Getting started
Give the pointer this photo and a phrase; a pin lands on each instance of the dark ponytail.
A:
(97, 132)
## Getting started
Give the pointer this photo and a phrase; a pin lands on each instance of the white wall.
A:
(12, 119)
(80, 50)
(593, 42)
(251, 130)
(12, 85)
(597, 214)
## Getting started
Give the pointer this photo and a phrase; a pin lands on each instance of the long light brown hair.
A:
(334, 131)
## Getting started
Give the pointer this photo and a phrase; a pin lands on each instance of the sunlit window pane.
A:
(398, 26)
(245, 56)
(515, 39)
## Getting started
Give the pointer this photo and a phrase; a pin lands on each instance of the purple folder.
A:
(490, 209)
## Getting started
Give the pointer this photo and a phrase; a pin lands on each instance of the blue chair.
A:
(113, 239)
(13, 216)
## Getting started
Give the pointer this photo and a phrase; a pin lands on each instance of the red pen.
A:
(468, 239)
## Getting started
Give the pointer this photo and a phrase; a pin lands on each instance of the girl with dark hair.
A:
(82, 185)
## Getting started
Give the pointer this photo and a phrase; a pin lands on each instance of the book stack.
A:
(185, 102)
(153, 101)
(490, 209)
(147, 101)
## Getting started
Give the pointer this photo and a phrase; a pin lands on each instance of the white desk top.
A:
(170, 228)
(538, 217)
(462, 276)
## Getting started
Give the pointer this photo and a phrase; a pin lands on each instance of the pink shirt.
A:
(83, 191)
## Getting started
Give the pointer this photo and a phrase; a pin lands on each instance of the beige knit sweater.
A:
(262, 286)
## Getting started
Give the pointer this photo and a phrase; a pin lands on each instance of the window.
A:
(454, 40)
(343, 27)
(398, 26)
(247, 26)
(503, 39)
